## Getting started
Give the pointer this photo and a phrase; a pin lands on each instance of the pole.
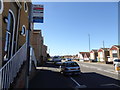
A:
(103, 44)
(28, 50)
(89, 41)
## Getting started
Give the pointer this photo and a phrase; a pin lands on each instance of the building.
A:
(93, 55)
(37, 42)
(14, 24)
(103, 54)
(87, 56)
(13, 28)
(114, 52)
(83, 56)
(44, 53)
(68, 56)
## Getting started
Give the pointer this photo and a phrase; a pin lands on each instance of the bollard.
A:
(117, 67)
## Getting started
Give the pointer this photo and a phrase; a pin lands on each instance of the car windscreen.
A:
(74, 64)
(117, 60)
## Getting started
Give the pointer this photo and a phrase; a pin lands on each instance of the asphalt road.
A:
(49, 76)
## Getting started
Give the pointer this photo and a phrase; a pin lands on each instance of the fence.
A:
(9, 71)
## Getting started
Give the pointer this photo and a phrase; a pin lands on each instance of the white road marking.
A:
(78, 85)
(110, 84)
(75, 81)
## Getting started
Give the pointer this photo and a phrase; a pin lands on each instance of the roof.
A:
(94, 50)
(87, 54)
(83, 53)
(105, 49)
(118, 46)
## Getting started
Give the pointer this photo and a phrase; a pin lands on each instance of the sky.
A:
(67, 25)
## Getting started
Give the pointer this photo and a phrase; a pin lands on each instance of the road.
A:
(93, 76)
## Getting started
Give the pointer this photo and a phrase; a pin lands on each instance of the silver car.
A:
(70, 68)
(116, 61)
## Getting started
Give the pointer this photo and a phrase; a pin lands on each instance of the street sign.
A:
(37, 13)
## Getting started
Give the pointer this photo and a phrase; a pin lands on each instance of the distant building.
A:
(40, 49)
(44, 53)
(84, 56)
(87, 56)
(114, 52)
(68, 56)
(93, 55)
(35, 41)
(103, 54)
(81, 55)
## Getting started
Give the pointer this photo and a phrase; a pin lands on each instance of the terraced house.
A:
(114, 52)
(103, 54)
(93, 55)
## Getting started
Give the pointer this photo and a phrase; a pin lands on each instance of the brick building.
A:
(37, 42)
(14, 24)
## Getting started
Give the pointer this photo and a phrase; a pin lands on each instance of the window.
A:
(25, 6)
(9, 34)
(23, 30)
(114, 55)
(1, 6)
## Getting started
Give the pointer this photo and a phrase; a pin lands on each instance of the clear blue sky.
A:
(67, 25)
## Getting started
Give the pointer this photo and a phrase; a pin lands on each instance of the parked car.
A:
(56, 59)
(66, 59)
(70, 68)
(116, 61)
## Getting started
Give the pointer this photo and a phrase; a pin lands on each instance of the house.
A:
(93, 55)
(114, 52)
(83, 56)
(86, 56)
(103, 54)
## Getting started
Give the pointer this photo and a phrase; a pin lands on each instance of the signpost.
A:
(37, 15)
